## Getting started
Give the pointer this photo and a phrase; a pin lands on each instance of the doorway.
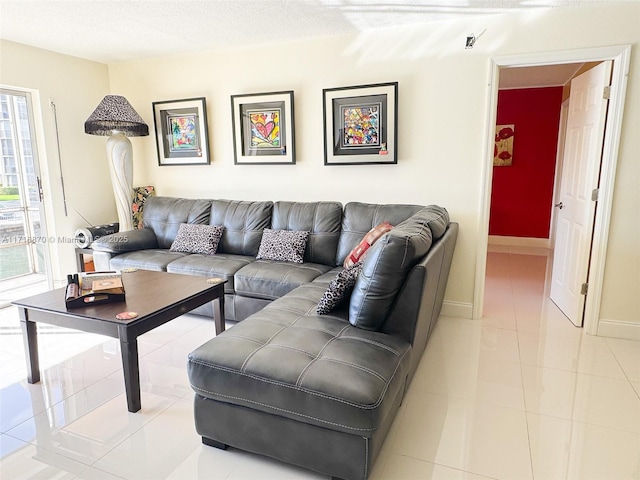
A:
(531, 98)
(22, 230)
(620, 56)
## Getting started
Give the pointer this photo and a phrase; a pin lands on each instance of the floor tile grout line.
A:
(445, 465)
(626, 375)
(61, 454)
(66, 399)
(100, 470)
(171, 401)
(576, 374)
(522, 380)
(93, 383)
(143, 425)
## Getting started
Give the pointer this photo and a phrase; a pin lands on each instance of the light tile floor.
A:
(521, 394)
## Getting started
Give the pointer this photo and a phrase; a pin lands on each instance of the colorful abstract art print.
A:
(265, 129)
(361, 125)
(503, 147)
(183, 132)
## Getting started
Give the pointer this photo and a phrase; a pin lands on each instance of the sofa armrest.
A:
(127, 241)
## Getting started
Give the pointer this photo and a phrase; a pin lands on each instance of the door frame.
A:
(39, 153)
(620, 54)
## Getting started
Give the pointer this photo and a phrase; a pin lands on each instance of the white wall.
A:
(443, 95)
(76, 86)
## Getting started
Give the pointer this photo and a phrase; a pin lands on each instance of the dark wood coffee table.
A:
(157, 297)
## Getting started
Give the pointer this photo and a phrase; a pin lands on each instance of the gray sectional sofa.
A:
(318, 391)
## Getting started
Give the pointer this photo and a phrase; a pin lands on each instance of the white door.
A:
(575, 207)
(22, 227)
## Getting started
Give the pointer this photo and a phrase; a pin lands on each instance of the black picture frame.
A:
(181, 131)
(361, 124)
(263, 128)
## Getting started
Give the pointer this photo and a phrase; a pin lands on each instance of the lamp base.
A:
(120, 155)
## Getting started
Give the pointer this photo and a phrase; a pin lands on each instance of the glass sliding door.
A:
(22, 233)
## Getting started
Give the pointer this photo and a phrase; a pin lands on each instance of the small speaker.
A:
(86, 236)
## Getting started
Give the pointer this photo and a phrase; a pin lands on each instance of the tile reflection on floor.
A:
(520, 394)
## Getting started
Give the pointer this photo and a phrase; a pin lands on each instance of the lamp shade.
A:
(115, 113)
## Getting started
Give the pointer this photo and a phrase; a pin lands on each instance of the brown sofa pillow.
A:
(359, 251)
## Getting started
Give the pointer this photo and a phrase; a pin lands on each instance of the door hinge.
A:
(606, 94)
(584, 288)
(595, 194)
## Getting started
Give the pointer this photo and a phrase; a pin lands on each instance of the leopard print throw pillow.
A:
(197, 238)
(283, 245)
(339, 288)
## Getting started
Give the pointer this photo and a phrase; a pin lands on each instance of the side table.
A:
(80, 253)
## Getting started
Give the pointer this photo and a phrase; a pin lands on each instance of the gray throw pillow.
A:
(339, 288)
(283, 245)
(197, 238)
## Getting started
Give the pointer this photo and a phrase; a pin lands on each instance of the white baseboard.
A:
(519, 241)
(457, 309)
(619, 329)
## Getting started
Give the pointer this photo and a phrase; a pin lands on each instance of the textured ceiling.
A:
(120, 30)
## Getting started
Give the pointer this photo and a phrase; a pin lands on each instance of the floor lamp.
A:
(115, 117)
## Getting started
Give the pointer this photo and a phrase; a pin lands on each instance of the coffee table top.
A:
(147, 292)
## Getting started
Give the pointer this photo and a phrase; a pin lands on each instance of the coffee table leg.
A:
(30, 339)
(129, 350)
(218, 313)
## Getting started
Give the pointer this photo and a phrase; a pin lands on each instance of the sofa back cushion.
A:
(388, 263)
(164, 215)
(243, 223)
(359, 218)
(321, 219)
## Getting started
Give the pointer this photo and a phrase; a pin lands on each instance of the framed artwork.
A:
(181, 132)
(503, 148)
(263, 128)
(361, 124)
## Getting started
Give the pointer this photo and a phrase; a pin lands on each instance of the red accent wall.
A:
(522, 193)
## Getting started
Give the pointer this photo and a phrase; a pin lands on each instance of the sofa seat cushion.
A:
(221, 265)
(287, 361)
(151, 259)
(326, 278)
(271, 279)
